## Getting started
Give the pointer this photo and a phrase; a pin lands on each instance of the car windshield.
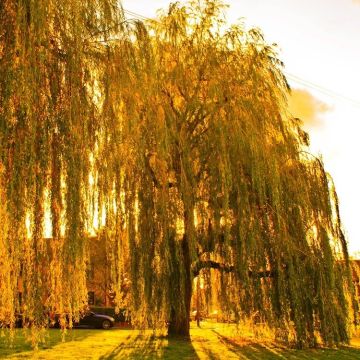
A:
(89, 313)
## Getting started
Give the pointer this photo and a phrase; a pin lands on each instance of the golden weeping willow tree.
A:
(207, 172)
(197, 170)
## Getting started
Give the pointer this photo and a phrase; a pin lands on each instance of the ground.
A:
(213, 341)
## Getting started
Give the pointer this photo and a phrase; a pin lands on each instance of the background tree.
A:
(49, 61)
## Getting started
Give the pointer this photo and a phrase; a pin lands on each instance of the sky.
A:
(319, 43)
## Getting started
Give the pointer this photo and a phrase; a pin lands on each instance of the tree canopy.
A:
(173, 137)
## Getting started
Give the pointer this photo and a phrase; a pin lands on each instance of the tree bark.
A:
(180, 321)
(179, 324)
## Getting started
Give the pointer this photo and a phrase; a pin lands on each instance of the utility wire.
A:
(321, 89)
(135, 15)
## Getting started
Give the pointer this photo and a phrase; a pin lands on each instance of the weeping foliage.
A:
(215, 175)
(196, 169)
(48, 122)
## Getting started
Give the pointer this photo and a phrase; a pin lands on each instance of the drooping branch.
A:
(209, 264)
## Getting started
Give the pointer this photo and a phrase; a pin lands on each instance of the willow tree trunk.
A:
(180, 320)
(180, 315)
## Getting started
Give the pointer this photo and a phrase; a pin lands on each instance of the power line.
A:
(136, 15)
(321, 89)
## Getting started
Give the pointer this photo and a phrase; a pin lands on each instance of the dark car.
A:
(99, 321)
(91, 319)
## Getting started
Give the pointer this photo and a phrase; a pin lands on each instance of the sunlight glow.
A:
(319, 42)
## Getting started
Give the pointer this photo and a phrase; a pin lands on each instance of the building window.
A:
(91, 298)
(90, 271)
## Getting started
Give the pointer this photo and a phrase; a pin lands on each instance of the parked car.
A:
(97, 321)
(91, 319)
(123, 316)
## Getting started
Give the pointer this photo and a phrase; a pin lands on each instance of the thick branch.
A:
(209, 264)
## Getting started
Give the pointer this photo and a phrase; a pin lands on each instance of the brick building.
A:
(97, 275)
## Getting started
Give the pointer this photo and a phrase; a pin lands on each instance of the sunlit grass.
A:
(212, 341)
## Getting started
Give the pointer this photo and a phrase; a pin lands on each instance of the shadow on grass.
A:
(152, 347)
(179, 348)
(22, 343)
(256, 351)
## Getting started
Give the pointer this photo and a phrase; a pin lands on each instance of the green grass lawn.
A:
(213, 341)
